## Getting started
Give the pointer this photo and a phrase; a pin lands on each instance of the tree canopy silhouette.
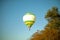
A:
(52, 29)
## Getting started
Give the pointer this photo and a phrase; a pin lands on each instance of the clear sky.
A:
(13, 27)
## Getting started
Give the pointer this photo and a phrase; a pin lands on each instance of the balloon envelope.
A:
(29, 19)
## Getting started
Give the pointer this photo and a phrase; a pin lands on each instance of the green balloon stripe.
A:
(29, 24)
(29, 21)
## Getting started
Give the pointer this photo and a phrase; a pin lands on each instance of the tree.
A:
(52, 29)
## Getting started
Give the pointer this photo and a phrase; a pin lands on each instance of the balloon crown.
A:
(29, 13)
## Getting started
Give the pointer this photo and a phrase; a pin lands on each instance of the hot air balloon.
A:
(29, 19)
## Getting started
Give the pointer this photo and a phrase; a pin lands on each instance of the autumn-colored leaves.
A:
(52, 29)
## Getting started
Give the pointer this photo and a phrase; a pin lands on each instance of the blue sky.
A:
(13, 27)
